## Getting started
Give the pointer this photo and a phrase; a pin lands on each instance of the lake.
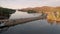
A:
(34, 27)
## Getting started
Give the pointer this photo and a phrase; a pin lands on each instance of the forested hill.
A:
(6, 10)
(5, 13)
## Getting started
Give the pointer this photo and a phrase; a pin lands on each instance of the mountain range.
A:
(40, 9)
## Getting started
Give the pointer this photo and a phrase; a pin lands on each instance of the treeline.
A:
(5, 12)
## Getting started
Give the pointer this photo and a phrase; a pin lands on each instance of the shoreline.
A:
(11, 22)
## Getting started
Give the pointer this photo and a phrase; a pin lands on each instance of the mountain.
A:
(42, 9)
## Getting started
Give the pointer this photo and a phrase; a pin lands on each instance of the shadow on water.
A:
(53, 22)
(3, 29)
(50, 22)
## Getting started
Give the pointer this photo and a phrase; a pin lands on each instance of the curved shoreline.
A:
(11, 22)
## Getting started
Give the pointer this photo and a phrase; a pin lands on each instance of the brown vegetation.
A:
(43, 8)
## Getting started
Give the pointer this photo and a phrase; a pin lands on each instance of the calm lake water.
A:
(34, 27)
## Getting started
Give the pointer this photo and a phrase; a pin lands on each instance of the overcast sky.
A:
(16, 4)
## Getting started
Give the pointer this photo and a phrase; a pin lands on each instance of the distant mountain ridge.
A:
(43, 8)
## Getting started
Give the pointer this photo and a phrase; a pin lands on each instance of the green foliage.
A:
(5, 12)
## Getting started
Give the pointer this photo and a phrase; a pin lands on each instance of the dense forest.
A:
(5, 12)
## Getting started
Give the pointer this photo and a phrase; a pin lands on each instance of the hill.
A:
(42, 9)
(5, 12)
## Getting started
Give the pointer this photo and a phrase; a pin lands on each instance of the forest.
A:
(5, 12)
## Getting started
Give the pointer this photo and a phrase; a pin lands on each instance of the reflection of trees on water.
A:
(3, 29)
(50, 22)
(53, 22)
(57, 22)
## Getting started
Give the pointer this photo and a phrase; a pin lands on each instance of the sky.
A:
(18, 4)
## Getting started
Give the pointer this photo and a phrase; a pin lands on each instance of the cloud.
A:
(28, 3)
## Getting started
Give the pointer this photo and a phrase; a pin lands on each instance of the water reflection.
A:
(3, 29)
(53, 22)
(39, 26)
(34, 27)
(18, 15)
